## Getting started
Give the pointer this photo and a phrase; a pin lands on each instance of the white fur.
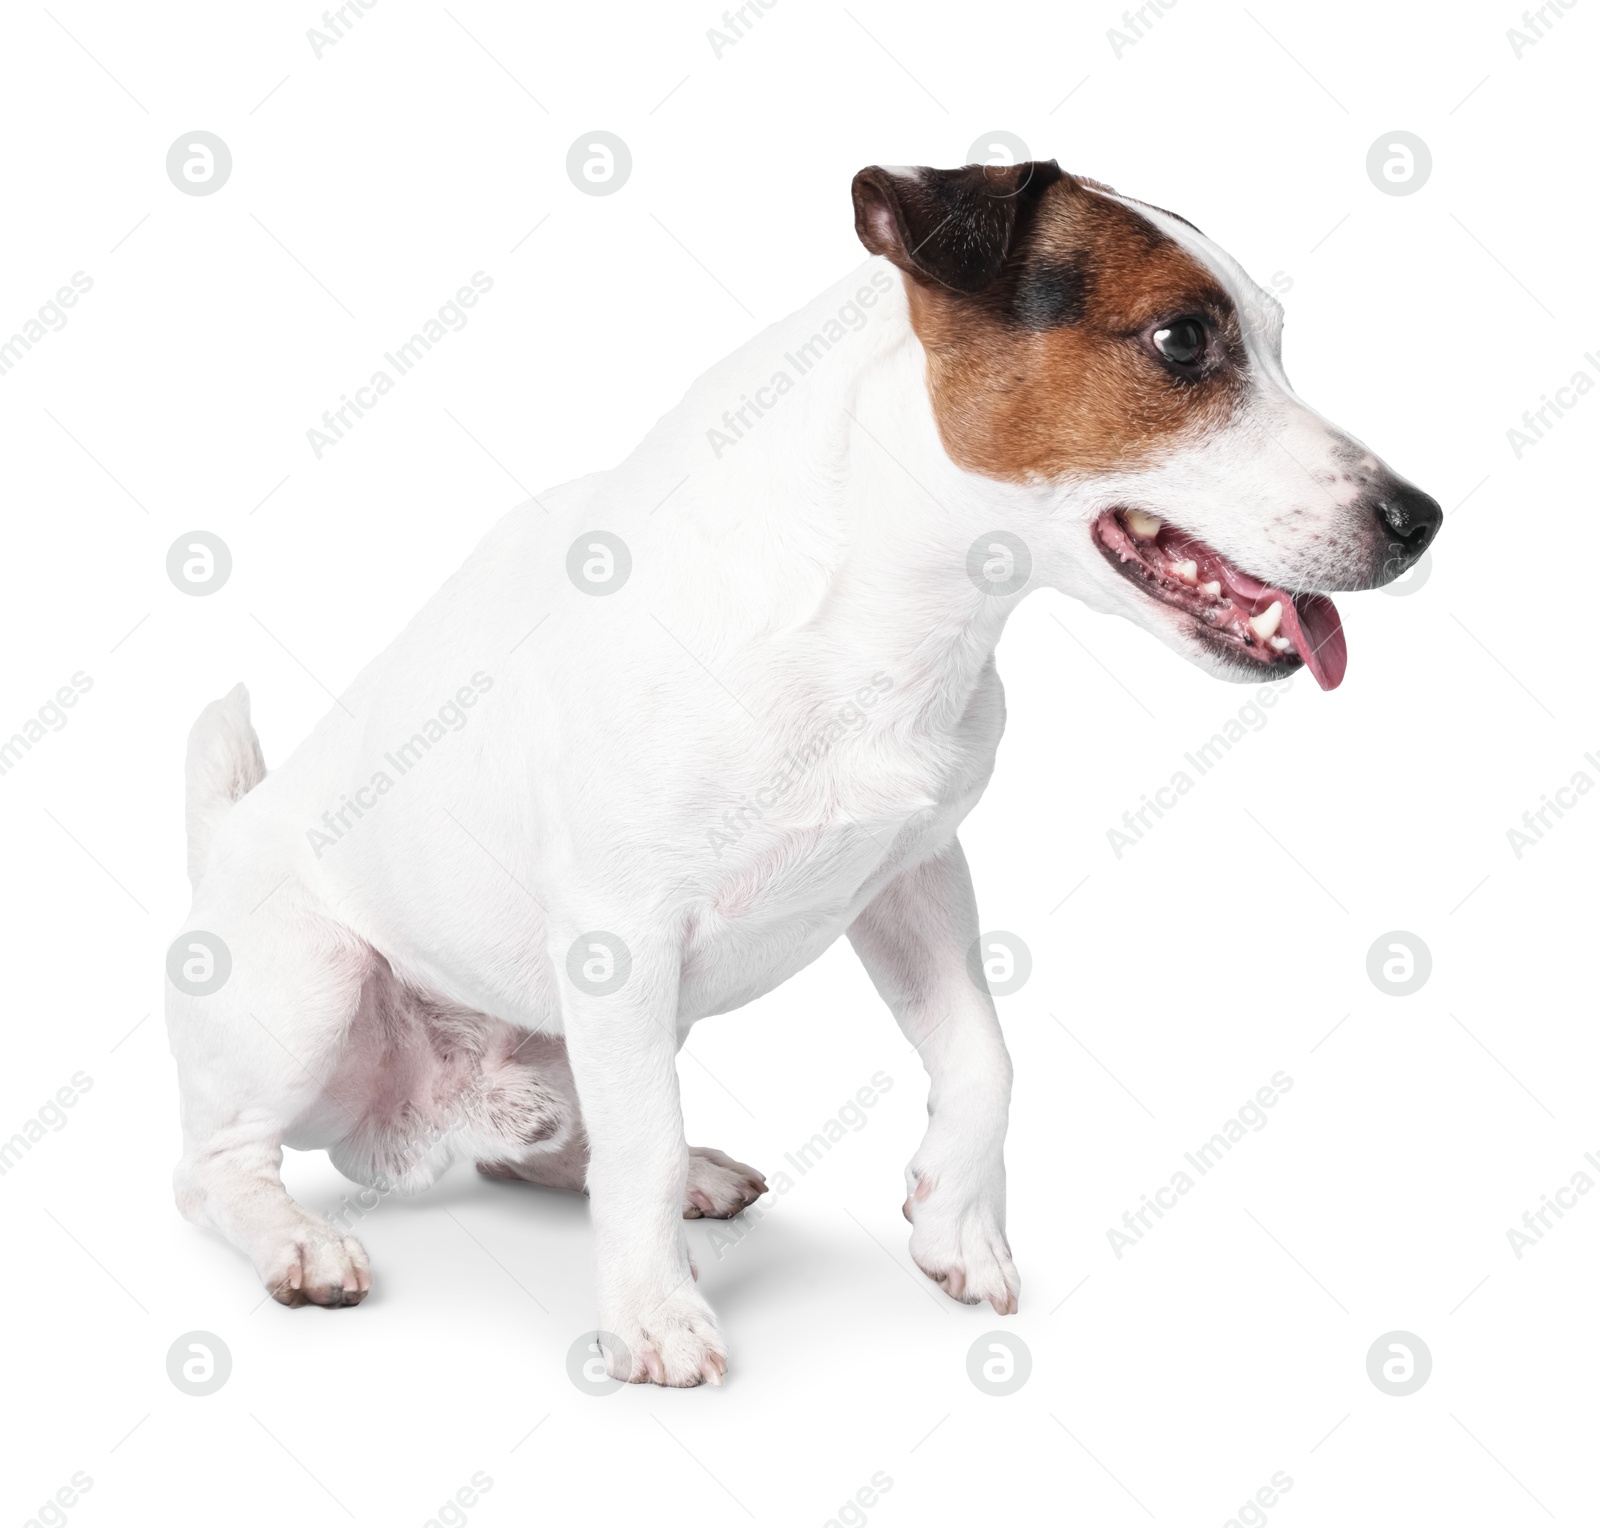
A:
(1280, 491)
(380, 987)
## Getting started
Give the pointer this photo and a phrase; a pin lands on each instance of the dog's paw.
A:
(673, 1341)
(318, 1265)
(719, 1187)
(964, 1252)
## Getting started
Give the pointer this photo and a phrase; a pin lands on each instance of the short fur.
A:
(766, 738)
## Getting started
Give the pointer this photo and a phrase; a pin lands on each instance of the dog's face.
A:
(1081, 341)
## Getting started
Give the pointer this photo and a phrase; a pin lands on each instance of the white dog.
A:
(674, 728)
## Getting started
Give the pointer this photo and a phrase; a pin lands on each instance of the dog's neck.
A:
(900, 597)
(866, 526)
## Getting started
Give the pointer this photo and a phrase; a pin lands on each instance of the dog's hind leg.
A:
(563, 1164)
(230, 1181)
(717, 1188)
(250, 1058)
(249, 1053)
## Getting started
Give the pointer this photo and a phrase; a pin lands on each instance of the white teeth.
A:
(1186, 570)
(1142, 525)
(1214, 588)
(1265, 624)
(1279, 644)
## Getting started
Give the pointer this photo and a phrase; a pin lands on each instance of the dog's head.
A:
(1080, 340)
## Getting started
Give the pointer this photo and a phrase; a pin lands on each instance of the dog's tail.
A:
(224, 762)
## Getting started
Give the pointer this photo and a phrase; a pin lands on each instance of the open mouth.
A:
(1237, 615)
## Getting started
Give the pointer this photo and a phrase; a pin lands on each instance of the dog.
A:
(674, 728)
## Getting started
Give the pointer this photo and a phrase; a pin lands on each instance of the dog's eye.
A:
(1182, 342)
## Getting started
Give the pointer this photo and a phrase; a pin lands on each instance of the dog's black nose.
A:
(1410, 517)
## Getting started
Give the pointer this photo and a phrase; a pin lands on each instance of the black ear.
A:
(951, 227)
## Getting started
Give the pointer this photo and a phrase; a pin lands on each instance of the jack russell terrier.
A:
(619, 774)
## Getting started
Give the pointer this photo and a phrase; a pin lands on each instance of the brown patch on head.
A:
(1036, 297)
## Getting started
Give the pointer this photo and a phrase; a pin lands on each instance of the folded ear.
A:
(950, 227)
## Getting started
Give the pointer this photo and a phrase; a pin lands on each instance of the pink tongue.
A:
(1310, 621)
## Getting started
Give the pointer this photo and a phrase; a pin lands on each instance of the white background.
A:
(368, 184)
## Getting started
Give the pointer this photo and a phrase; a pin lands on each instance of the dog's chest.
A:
(793, 875)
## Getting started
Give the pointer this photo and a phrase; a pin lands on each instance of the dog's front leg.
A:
(623, 1046)
(914, 938)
